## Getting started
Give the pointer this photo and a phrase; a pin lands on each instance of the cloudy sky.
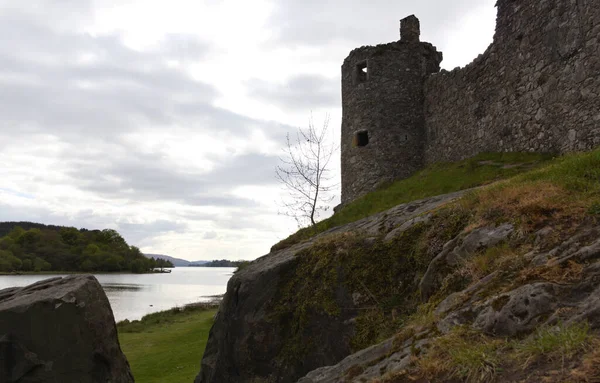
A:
(164, 120)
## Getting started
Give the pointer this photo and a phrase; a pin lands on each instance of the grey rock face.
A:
(368, 364)
(524, 308)
(60, 330)
(519, 311)
(247, 338)
(459, 249)
(512, 313)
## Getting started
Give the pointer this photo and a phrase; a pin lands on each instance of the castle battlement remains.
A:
(536, 88)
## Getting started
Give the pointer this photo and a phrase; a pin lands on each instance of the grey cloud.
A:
(137, 234)
(184, 47)
(141, 233)
(304, 91)
(83, 219)
(210, 235)
(73, 85)
(44, 85)
(142, 176)
(90, 91)
(70, 13)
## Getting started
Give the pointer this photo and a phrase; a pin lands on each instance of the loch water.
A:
(132, 296)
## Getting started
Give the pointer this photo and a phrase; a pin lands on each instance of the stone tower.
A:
(383, 132)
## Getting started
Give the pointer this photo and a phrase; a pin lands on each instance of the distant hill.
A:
(177, 262)
(198, 263)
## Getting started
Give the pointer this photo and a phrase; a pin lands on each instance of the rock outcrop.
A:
(60, 330)
(570, 295)
(494, 284)
(250, 340)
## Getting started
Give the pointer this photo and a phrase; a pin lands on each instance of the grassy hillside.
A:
(434, 180)
(561, 194)
(166, 347)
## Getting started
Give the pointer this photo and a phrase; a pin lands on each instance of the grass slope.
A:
(166, 347)
(562, 194)
(434, 180)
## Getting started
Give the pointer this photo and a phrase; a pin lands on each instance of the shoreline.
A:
(58, 273)
(213, 304)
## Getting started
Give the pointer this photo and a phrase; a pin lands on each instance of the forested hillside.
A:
(6, 227)
(27, 247)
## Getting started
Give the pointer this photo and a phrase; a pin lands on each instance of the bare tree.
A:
(304, 172)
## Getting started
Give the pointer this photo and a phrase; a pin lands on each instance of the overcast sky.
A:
(164, 120)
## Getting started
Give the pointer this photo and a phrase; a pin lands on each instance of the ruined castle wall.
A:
(536, 88)
(383, 120)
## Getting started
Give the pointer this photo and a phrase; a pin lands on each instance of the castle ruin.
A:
(535, 89)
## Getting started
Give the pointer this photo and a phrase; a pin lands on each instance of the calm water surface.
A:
(134, 295)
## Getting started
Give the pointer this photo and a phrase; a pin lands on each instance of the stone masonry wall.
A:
(536, 88)
(382, 98)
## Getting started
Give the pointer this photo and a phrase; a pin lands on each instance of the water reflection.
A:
(121, 287)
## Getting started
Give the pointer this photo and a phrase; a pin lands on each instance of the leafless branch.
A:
(303, 171)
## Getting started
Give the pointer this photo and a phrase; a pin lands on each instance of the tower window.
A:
(361, 138)
(362, 71)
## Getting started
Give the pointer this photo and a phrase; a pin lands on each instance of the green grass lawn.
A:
(166, 347)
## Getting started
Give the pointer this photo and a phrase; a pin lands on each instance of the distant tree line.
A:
(6, 227)
(221, 263)
(56, 248)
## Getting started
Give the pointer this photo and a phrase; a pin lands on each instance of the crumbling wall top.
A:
(410, 29)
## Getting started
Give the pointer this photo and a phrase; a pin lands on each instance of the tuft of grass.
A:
(570, 272)
(434, 180)
(463, 354)
(492, 259)
(167, 346)
(421, 320)
(594, 209)
(554, 343)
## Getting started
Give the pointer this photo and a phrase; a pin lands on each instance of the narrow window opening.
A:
(406, 137)
(362, 71)
(361, 138)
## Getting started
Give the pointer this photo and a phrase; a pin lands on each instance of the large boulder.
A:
(251, 340)
(60, 330)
